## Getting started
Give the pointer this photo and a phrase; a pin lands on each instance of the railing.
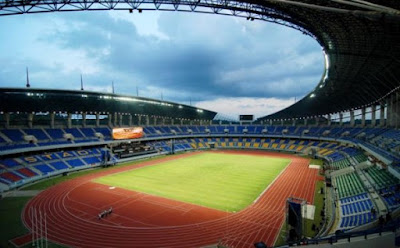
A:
(391, 226)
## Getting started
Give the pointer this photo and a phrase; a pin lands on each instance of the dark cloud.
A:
(200, 58)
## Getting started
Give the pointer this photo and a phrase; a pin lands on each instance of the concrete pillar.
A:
(329, 117)
(120, 119)
(139, 120)
(373, 115)
(115, 119)
(69, 120)
(154, 121)
(363, 117)
(7, 119)
(97, 119)
(84, 119)
(191, 122)
(352, 120)
(110, 120)
(181, 121)
(305, 122)
(389, 111)
(52, 118)
(293, 122)
(130, 120)
(30, 120)
(396, 110)
(270, 122)
(172, 121)
(340, 119)
(382, 116)
(147, 120)
(281, 122)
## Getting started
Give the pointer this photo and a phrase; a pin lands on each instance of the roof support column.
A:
(373, 115)
(389, 111)
(52, 117)
(115, 119)
(139, 120)
(382, 115)
(84, 119)
(363, 117)
(305, 122)
(294, 122)
(30, 120)
(340, 119)
(352, 120)
(110, 120)
(130, 120)
(7, 119)
(396, 111)
(120, 119)
(172, 121)
(147, 120)
(155, 121)
(329, 117)
(69, 120)
(97, 120)
(181, 122)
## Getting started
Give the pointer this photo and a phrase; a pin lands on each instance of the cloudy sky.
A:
(226, 64)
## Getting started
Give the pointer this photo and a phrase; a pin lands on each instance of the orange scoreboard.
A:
(127, 133)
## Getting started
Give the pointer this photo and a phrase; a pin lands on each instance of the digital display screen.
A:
(246, 117)
(127, 133)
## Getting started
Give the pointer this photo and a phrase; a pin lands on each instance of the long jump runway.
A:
(143, 220)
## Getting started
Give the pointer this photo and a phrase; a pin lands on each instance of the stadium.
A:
(83, 168)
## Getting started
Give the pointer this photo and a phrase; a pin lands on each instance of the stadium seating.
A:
(355, 211)
(26, 172)
(59, 165)
(349, 185)
(75, 162)
(341, 164)
(385, 142)
(381, 177)
(9, 163)
(10, 176)
(43, 168)
(55, 134)
(14, 134)
(391, 196)
(37, 133)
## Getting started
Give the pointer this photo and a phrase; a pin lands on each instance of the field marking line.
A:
(273, 181)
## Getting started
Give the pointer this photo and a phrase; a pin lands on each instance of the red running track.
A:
(142, 220)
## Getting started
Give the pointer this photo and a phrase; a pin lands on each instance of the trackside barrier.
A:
(348, 236)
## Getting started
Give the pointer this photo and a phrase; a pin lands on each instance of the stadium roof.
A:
(361, 40)
(26, 100)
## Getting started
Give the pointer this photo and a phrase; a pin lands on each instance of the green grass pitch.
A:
(228, 182)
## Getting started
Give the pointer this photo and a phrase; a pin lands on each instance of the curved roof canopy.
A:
(26, 100)
(361, 40)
